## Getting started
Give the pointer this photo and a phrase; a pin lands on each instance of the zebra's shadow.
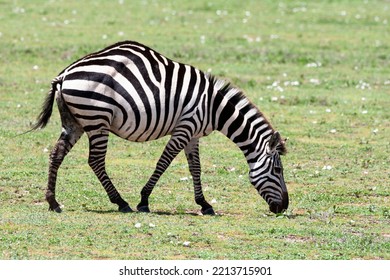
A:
(160, 213)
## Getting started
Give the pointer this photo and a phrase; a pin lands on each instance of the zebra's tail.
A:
(47, 106)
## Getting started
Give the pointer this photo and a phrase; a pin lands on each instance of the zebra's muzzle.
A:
(279, 206)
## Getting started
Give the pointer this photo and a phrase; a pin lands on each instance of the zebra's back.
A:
(132, 91)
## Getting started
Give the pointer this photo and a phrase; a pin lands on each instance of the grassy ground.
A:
(318, 69)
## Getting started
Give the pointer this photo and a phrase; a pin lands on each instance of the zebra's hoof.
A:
(144, 209)
(208, 211)
(125, 209)
(57, 209)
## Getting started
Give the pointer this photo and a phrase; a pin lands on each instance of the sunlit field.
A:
(319, 71)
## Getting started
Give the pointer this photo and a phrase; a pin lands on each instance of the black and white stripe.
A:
(138, 94)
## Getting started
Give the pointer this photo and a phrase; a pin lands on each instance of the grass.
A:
(319, 70)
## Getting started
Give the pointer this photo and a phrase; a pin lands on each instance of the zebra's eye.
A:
(277, 169)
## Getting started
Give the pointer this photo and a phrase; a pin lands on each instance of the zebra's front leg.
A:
(192, 154)
(172, 149)
(97, 155)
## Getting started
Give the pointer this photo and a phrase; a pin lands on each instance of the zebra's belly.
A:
(139, 131)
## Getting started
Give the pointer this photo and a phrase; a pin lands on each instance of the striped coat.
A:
(140, 95)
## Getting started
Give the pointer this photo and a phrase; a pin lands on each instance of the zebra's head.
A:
(266, 174)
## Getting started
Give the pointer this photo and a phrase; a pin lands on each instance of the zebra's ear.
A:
(276, 143)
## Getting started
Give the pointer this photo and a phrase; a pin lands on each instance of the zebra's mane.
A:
(238, 99)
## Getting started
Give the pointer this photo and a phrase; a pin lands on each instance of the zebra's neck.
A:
(239, 120)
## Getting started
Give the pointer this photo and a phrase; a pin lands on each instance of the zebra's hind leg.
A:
(71, 133)
(69, 136)
(175, 144)
(97, 155)
(192, 154)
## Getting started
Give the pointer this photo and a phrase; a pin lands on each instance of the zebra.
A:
(136, 93)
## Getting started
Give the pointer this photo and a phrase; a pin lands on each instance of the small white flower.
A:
(45, 150)
(152, 225)
(314, 81)
(137, 225)
(186, 243)
(328, 110)
(363, 85)
(295, 83)
(35, 67)
(327, 167)
(213, 201)
(364, 112)
(333, 131)
(104, 36)
(184, 179)
(313, 65)
(279, 88)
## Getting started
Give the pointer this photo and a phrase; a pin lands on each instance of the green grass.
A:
(319, 70)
